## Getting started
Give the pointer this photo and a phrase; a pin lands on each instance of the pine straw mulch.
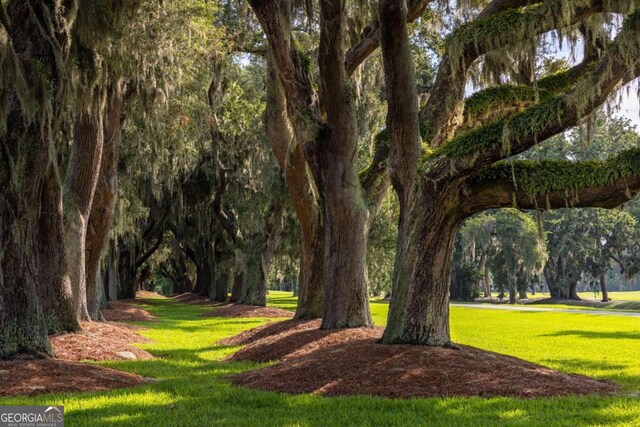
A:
(191, 298)
(239, 310)
(31, 377)
(149, 295)
(126, 311)
(225, 309)
(98, 341)
(352, 362)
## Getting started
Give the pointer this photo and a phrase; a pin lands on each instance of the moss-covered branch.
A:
(547, 176)
(492, 31)
(479, 148)
(495, 102)
(552, 184)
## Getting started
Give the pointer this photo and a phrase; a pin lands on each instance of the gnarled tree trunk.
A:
(419, 310)
(346, 297)
(104, 201)
(82, 178)
(303, 194)
(54, 286)
(28, 184)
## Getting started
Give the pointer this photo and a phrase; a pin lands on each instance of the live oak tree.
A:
(315, 136)
(48, 75)
(457, 171)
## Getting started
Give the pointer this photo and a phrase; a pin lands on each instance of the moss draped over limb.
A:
(479, 148)
(504, 24)
(498, 102)
(553, 184)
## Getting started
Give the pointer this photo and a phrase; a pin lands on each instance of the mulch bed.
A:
(31, 377)
(352, 362)
(149, 295)
(99, 341)
(238, 310)
(122, 311)
(191, 298)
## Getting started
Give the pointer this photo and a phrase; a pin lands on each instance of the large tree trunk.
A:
(484, 280)
(260, 255)
(238, 285)
(553, 277)
(80, 184)
(126, 273)
(419, 310)
(604, 288)
(27, 180)
(22, 325)
(54, 287)
(113, 278)
(254, 289)
(346, 297)
(303, 195)
(221, 287)
(104, 201)
(310, 286)
(512, 293)
(573, 291)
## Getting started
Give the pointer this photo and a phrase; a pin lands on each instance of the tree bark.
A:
(604, 288)
(80, 184)
(573, 291)
(303, 194)
(485, 275)
(26, 186)
(104, 200)
(126, 274)
(419, 310)
(260, 254)
(346, 298)
(54, 286)
(238, 284)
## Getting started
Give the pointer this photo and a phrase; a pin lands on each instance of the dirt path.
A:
(558, 310)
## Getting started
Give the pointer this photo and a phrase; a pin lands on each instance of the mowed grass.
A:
(191, 385)
(615, 296)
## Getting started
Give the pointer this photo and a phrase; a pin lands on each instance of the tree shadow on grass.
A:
(220, 404)
(596, 334)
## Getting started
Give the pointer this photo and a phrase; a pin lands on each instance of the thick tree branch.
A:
(491, 31)
(402, 116)
(547, 185)
(371, 40)
(293, 69)
(375, 178)
(498, 102)
(478, 149)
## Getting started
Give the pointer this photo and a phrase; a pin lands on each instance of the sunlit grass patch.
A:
(191, 386)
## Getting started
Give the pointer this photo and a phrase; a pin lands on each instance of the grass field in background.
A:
(615, 296)
(191, 385)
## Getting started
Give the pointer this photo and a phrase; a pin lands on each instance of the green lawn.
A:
(615, 296)
(191, 386)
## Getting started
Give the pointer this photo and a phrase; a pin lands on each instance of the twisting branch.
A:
(494, 29)
(402, 116)
(557, 184)
(371, 40)
(478, 149)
